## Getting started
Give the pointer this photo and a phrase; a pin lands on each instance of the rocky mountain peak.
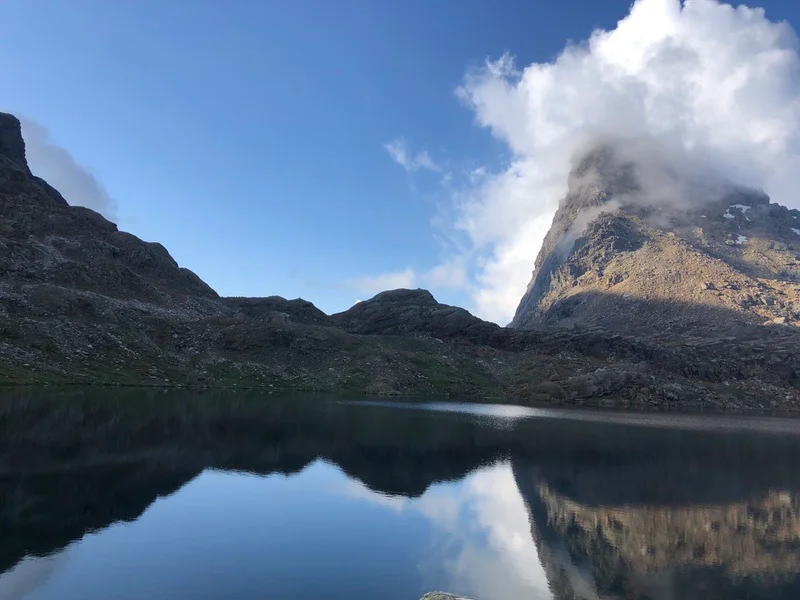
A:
(73, 249)
(12, 146)
(645, 241)
(602, 166)
(417, 297)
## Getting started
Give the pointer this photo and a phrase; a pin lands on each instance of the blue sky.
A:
(250, 138)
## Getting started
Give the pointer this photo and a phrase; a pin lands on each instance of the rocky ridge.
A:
(84, 303)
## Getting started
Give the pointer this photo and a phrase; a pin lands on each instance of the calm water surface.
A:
(151, 495)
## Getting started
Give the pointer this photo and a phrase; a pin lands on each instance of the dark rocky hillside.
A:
(84, 303)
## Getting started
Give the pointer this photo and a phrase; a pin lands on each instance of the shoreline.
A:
(600, 406)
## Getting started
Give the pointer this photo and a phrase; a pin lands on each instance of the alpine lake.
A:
(129, 494)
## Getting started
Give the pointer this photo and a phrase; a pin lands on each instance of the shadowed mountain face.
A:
(617, 510)
(82, 302)
(712, 257)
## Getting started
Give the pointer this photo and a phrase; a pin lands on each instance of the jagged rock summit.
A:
(680, 260)
(12, 146)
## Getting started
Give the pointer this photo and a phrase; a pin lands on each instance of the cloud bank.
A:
(701, 78)
(59, 168)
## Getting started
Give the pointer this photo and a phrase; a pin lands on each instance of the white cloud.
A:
(30, 574)
(451, 275)
(398, 150)
(481, 533)
(59, 168)
(388, 281)
(477, 175)
(705, 79)
(447, 275)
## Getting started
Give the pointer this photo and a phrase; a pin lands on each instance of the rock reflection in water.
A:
(673, 515)
(518, 506)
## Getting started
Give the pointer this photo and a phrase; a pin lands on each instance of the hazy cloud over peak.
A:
(59, 168)
(702, 79)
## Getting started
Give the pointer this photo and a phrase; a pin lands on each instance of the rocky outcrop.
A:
(416, 312)
(621, 257)
(279, 310)
(12, 146)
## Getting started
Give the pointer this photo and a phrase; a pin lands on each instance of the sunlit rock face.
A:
(645, 244)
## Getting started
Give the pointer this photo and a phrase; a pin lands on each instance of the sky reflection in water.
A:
(217, 498)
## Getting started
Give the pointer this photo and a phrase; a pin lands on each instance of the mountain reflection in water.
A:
(134, 494)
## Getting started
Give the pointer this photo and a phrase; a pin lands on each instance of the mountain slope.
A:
(616, 258)
(44, 240)
(83, 303)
